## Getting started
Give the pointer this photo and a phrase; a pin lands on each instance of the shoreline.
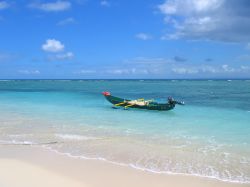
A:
(132, 166)
(44, 165)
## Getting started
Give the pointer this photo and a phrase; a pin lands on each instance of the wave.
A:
(145, 169)
(213, 173)
(75, 137)
(14, 142)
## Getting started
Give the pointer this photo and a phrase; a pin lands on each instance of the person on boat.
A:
(171, 100)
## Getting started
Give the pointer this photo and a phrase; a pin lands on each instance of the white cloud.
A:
(223, 69)
(148, 61)
(56, 47)
(53, 45)
(143, 36)
(184, 70)
(219, 20)
(66, 21)
(105, 3)
(208, 69)
(65, 56)
(122, 71)
(142, 65)
(86, 71)
(3, 5)
(187, 7)
(61, 56)
(52, 6)
(118, 71)
(227, 68)
(245, 68)
(29, 72)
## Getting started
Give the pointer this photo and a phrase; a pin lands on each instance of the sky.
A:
(124, 39)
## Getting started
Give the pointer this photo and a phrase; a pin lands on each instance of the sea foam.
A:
(74, 137)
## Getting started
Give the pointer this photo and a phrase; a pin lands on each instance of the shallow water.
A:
(209, 136)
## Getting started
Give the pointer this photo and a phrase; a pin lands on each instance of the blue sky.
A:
(124, 39)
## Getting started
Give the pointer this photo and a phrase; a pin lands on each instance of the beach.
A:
(65, 131)
(125, 93)
(27, 166)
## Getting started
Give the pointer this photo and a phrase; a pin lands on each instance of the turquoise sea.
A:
(209, 136)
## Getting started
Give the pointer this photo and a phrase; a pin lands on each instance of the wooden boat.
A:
(141, 103)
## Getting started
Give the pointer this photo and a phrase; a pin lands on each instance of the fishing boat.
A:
(141, 103)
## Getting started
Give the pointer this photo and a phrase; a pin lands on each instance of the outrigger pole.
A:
(126, 106)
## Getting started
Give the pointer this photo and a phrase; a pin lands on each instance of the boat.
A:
(140, 103)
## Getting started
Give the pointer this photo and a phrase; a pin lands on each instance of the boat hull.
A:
(151, 106)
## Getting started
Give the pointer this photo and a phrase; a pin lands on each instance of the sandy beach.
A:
(106, 93)
(29, 166)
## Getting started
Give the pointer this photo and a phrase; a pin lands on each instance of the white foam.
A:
(19, 135)
(75, 137)
(14, 142)
(213, 176)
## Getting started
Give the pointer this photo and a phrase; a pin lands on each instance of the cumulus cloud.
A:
(3, 5)
(52, 6)
(52, 45)
(218, 20)
(67, 21)
(56, 50)
(143, 36)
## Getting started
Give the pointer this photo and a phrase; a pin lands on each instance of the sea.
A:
(209, 136)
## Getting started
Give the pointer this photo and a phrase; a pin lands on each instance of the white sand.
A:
(16, 173)
(26, 166)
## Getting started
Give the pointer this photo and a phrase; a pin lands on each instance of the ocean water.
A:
(209, 136)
